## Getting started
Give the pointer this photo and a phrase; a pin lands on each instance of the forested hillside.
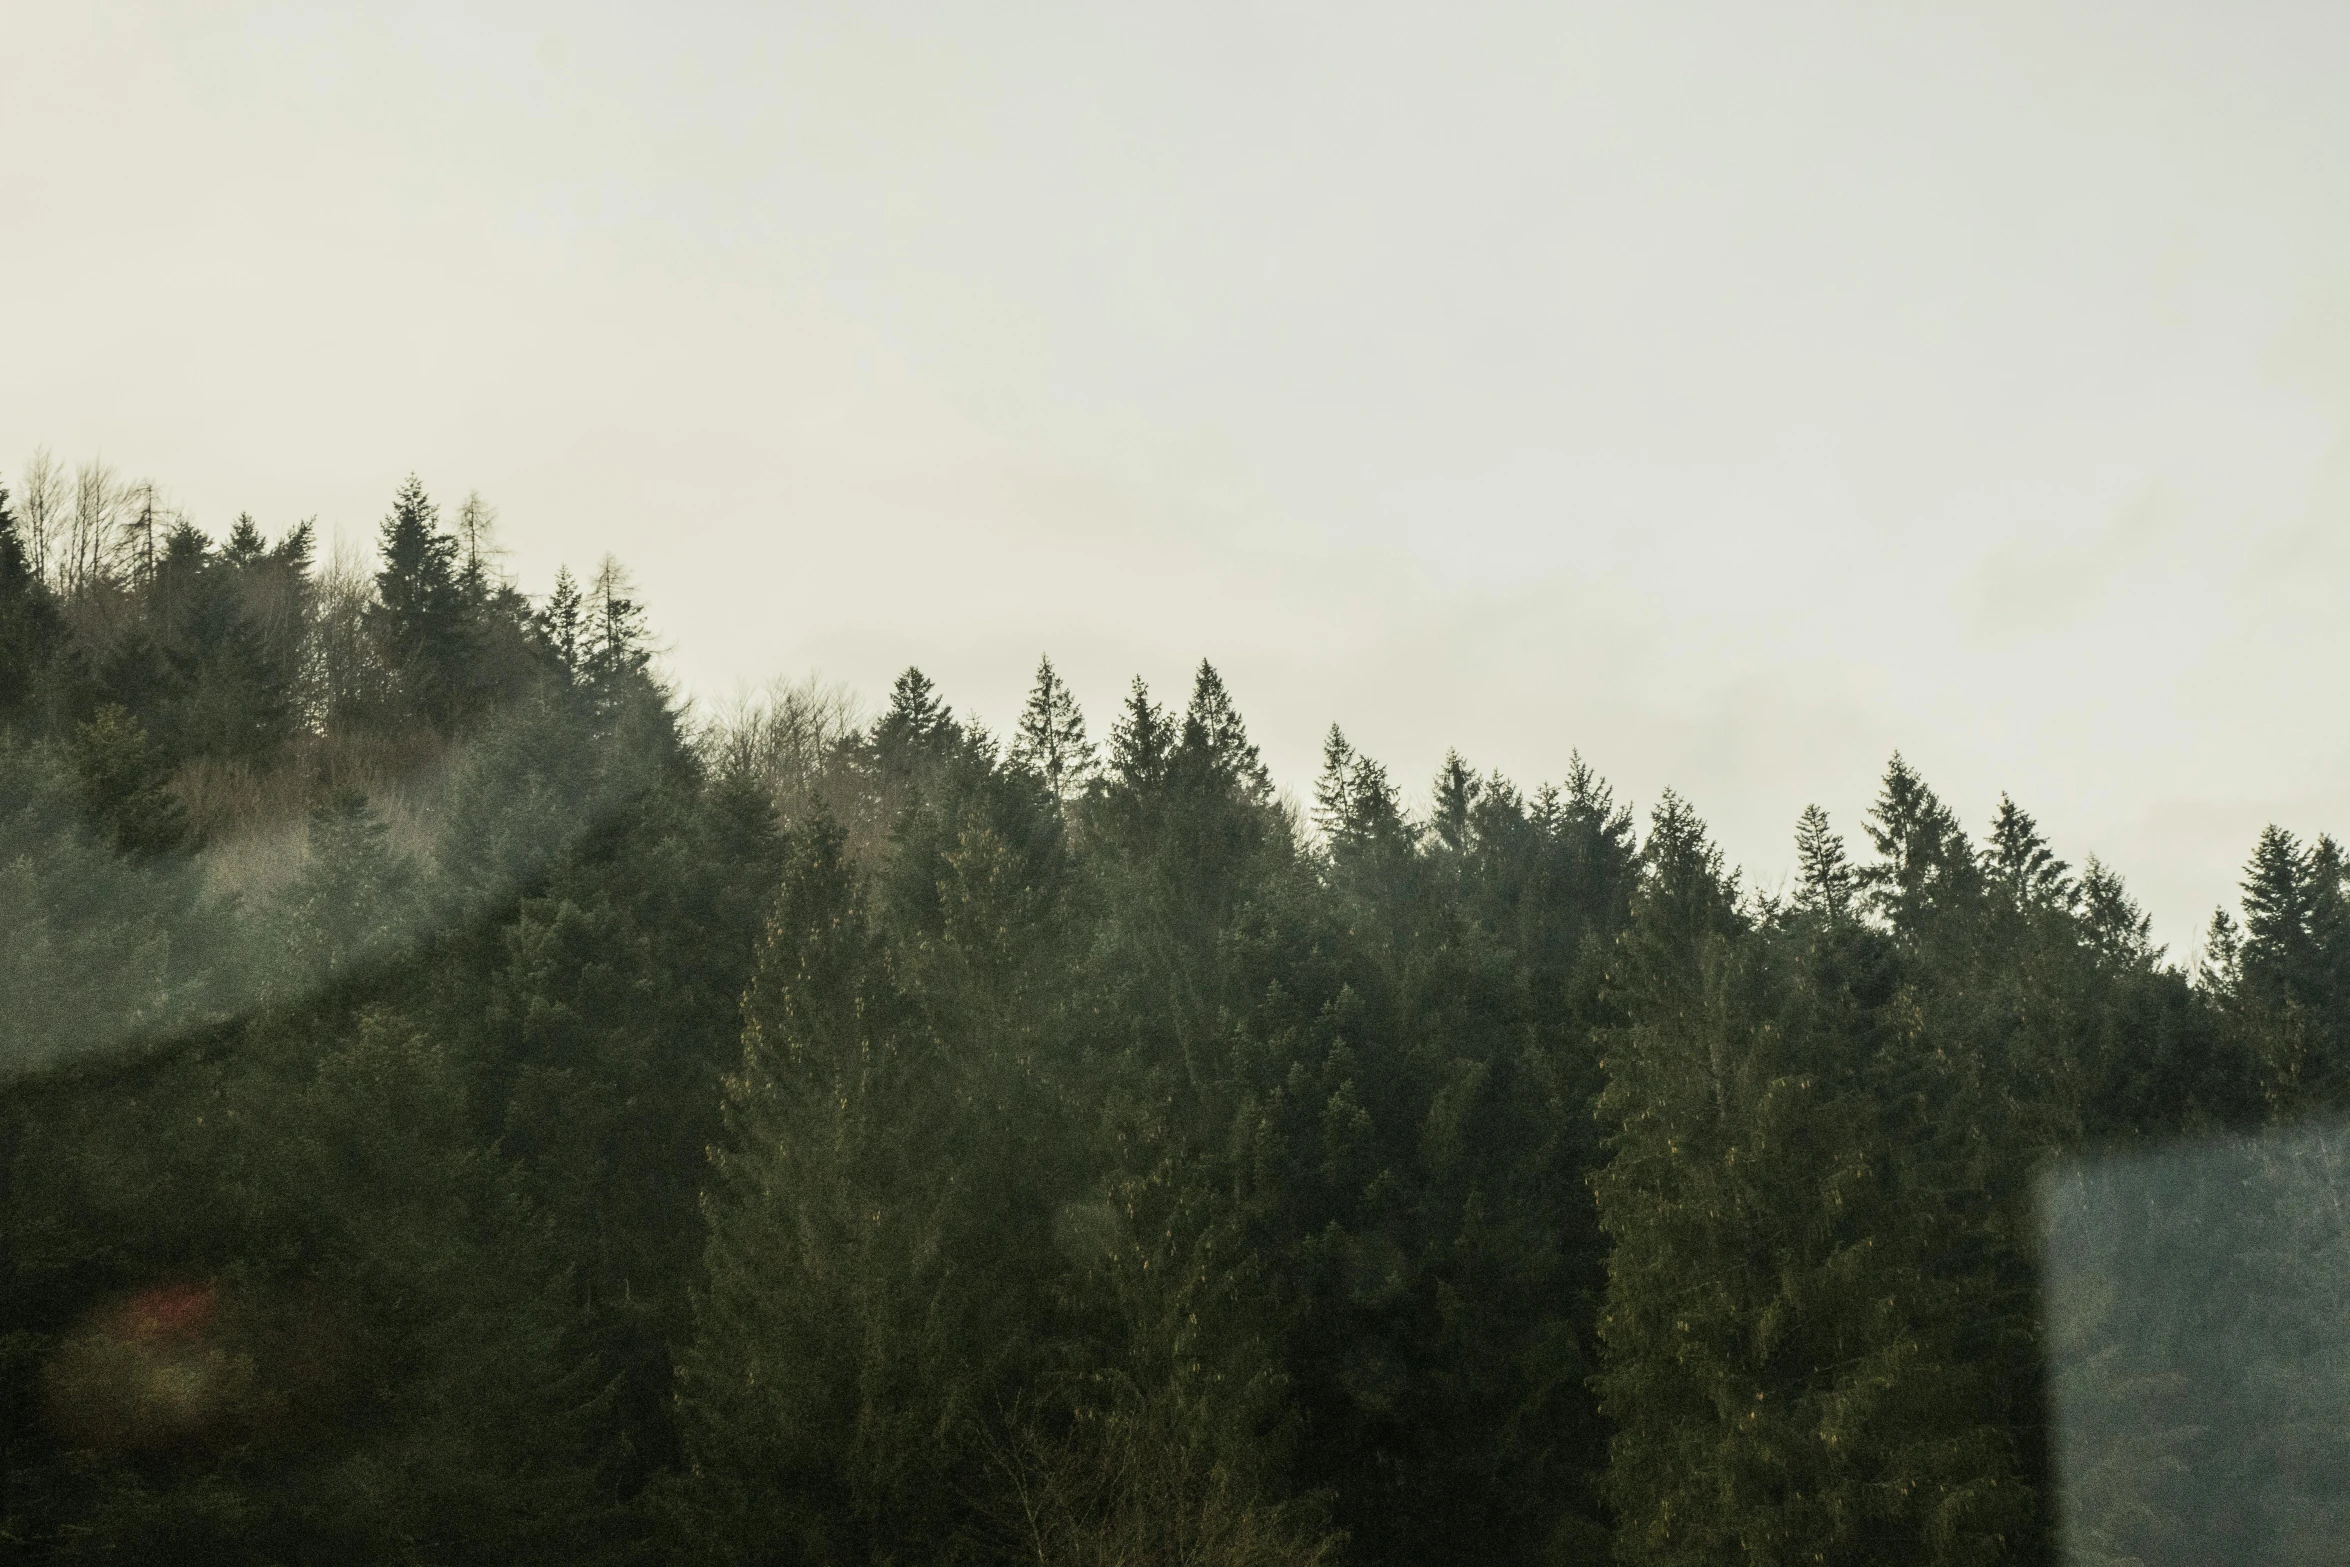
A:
(458, 1105)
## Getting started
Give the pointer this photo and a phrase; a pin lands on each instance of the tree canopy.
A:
(459, 1106)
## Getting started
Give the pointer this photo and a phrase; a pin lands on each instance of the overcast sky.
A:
(1734, 393)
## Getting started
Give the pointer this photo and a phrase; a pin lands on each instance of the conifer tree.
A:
(1457, 790)
(1214, 737)
(916, 716)
(1334, 790)
(126, 786)
(561, 623)
(2020, 862)
(426, 628)
(1356, 811)
(2286, 978)
(1825, 872)
(356, 904)
(615, 628)
(32, 632)
(830, 1368)
(232, 696)
(246, 545)
(1141, 739)
(1050, 740)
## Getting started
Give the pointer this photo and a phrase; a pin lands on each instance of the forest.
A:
(461, 1103)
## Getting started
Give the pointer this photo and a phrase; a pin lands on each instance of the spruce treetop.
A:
(1826, 875)
(1050, 740)
(916, 717)
(1214, 734)
(1141, 739)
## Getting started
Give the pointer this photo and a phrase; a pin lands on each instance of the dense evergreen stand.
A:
(456, 1107)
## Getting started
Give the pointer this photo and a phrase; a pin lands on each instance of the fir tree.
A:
(822, 1390)
(1355, 806)
(126, 786)
(2020, 863)
(1825, 874)
(561, 623)
(32, 632)
(1457, 790)
(425, 624)
(1924, 864)
(1214, 737)
(1141, 740)
(615, 646)
(916, 718)
(1334, 790)
(1050, 740)
(246, 546)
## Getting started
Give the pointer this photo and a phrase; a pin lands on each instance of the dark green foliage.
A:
(825, 1376)
(450, 1112)
(378, 1371)
(422, 613)
(598, 1026)
(1051, 739)
(125, 793)
(355, 906)
(32, 632)
(104, 949)
(1822, 1328)
(422, 1222)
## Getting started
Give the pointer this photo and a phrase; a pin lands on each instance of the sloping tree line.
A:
(455, 1108)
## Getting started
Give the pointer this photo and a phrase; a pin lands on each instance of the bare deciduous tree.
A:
(41, 510)
(343, 681)
(787, 740)
(478, 551)
(92, 549)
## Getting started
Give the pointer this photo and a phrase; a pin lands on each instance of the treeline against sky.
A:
(457, 1106)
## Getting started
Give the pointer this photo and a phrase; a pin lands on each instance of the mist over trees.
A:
(458, 1104)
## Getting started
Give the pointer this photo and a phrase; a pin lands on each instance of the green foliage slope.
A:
(455, 1107)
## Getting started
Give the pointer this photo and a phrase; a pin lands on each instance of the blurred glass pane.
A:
(2199, 1331)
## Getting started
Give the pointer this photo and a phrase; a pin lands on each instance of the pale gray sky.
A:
(1733, 392)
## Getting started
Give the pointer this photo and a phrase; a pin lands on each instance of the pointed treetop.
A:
(184, 547)
(2279, 890)
(1336, 785)
(1456, 796)
(16, 566)
(615, 626)
(2222, 965)
(1141, 739)
(1354, 803)
(560, 619)
(298, 548)
(1213, 733)
(916, 716)
(2019, 859)
(1677, 841)
(1923, 854)
(419, 561)
(31, 629)
(1825, 872)
(412, 512)
(1050, 740)
(2117, 926)
(1588, 794)
(245, 543)
(1684, 887)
